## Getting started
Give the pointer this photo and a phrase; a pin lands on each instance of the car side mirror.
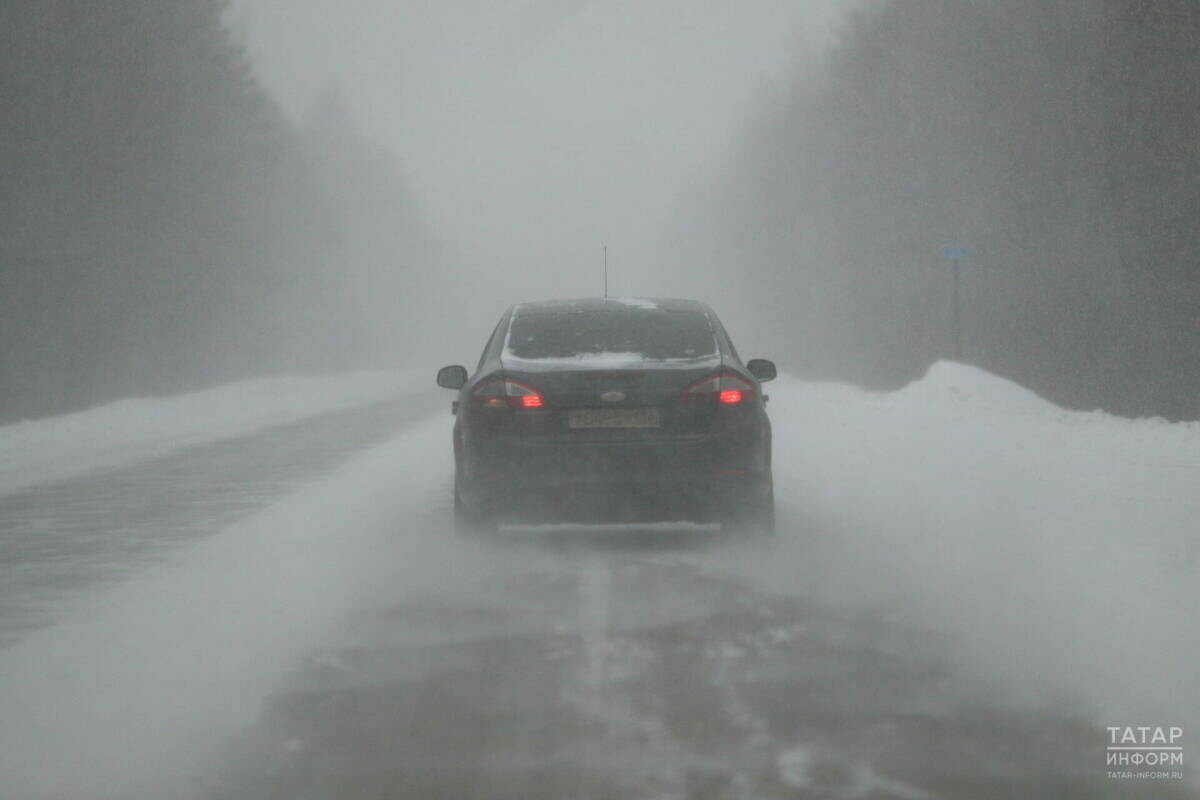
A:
(762, 369)
(454, 377)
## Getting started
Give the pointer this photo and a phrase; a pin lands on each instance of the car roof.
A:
(602, 304)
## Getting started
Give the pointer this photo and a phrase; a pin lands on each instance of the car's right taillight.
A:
(506, 393)
(724, 388)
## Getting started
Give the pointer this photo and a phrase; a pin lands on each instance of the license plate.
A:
(613, 418)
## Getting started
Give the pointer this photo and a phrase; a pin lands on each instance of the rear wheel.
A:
(753, 517)
(470, 522)
(766, 516)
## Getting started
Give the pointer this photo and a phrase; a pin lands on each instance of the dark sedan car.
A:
(611, 410)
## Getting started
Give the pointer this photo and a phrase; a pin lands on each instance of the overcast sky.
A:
(535, 130)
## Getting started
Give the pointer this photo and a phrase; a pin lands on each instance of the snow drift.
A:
(1060, 548)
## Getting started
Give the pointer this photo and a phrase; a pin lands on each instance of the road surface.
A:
(391, 660)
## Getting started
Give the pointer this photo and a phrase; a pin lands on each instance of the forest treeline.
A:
(1057, 141)
(163, 226)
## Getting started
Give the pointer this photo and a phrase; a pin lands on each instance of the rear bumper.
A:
(682, 479)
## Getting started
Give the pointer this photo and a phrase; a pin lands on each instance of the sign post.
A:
(955, 253)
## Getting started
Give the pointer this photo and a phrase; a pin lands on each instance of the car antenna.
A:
(605, 272)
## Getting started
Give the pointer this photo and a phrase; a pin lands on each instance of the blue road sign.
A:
(953, 251)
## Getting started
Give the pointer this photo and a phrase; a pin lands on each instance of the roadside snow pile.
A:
(1061, 548)
(971, 388)
(131, 430)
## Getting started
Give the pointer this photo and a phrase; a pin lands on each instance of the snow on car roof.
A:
(602, 360)
(607, 304)
(636, 302)
(609, 333)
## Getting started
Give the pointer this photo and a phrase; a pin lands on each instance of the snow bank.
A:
(1060, 548)
(973, 390)
(131, 430)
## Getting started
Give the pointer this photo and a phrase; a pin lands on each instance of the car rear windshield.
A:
(651, 333)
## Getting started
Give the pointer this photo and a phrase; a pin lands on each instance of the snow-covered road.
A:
(969, 584)
(129, 431)
(61, 539)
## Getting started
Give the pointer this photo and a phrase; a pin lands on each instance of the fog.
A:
(536, 133)
(238, 239)
(266, 187)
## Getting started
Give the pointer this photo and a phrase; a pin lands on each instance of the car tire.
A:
(766, 516)
(754, 517)
(471, 523)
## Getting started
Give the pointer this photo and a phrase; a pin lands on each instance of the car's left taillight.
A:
(506, 393)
